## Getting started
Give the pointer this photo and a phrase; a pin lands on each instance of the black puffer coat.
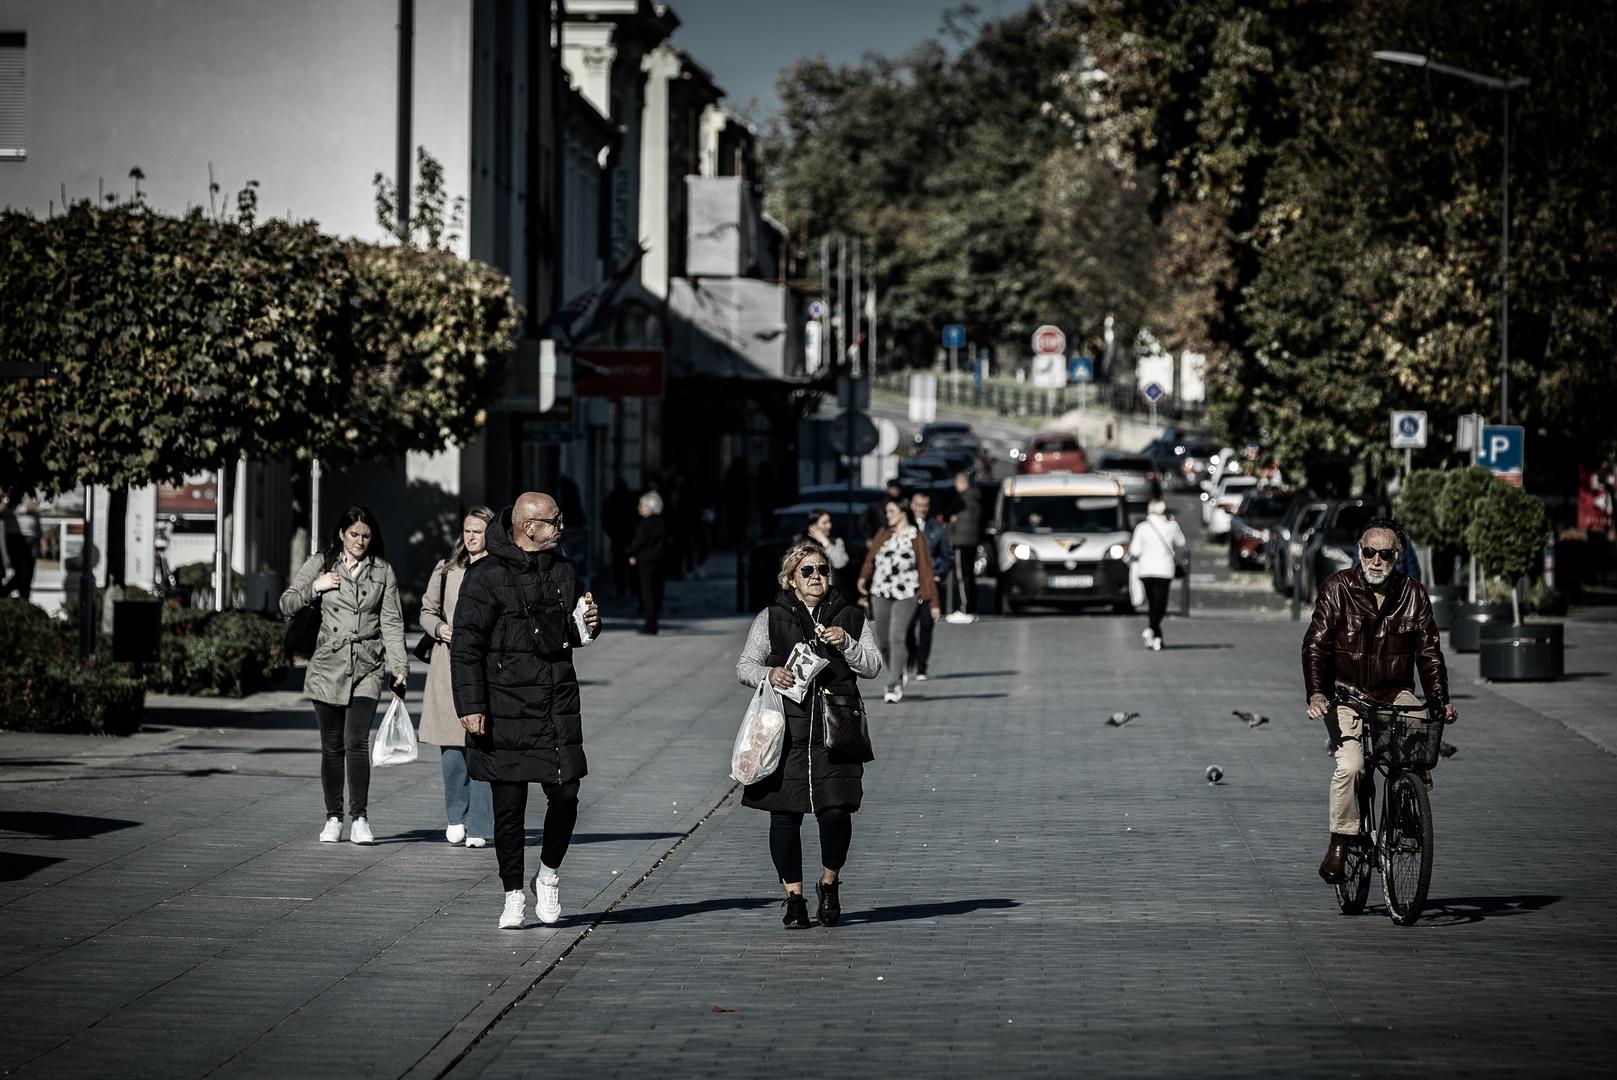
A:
(511, 659)
(837, 779)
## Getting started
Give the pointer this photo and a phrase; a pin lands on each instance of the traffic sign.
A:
(853, 434)
(954, 336)
(1502, 450)
(1409, 431)
(817, 309)
(1081, 369)
(1153, 392)
(1049, 341)
(1049, 373)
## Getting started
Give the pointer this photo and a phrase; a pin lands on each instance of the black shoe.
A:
(830, 907)
(796, 912)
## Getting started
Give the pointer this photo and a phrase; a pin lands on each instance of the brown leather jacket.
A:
(1378, 653)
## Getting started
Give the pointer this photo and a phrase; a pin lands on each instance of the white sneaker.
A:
(360, 832)
(1156, 644)
(547, 899)
(332, 832)
(516, 910)
(888, 696)
(455, 834)
(957, 617)
(1146, 634)
(920, 676)
(476, 841)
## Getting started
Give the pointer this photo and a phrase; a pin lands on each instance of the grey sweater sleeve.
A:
(751, 668)
(863, 655)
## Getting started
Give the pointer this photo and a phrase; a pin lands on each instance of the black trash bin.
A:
(262, 593)
(1522, 652)
(1465, 635)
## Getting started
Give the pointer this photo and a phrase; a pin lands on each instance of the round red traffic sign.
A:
(1049, 341)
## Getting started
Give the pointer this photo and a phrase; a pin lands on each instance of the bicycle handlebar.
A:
(1361, 705)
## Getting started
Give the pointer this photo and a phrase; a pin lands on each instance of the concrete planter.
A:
(1465, 633)
(1444, 599)
(1528, 651)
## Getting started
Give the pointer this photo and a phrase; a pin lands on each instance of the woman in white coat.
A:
(1154, 550)
(468, 803)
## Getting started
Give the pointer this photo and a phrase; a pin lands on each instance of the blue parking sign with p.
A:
(1502, 450)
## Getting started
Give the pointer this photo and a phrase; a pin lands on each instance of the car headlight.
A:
(1021, 551)
(1116, 551)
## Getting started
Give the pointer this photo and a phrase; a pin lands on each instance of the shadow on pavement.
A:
(46, 825)
(1204, 645)
(15, 866)
(665, 912)
(1461, 910)
(903, 912)
(971, 675)
(953, 697)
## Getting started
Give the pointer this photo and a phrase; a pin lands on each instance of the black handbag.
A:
(423, 647)
(847, 731)
(303, 630)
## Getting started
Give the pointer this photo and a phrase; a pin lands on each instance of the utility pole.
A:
(406, 93)
(825, 301)
(840, 311)
(854, 366)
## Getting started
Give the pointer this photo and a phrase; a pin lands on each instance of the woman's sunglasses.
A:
(809, 572)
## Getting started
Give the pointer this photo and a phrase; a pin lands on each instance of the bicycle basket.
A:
(1419, 741)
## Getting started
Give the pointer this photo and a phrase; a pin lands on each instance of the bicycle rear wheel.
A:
(1406, 848)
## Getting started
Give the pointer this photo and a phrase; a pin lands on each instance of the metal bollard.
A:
(1296, 588)
(1184, 589)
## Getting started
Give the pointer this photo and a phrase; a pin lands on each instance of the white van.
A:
(1058, 539)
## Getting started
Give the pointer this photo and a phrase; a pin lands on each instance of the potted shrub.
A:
(1463, 491)
(1416, 508)
(1507, 532)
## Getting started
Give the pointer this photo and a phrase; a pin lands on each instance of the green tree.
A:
(1462, 492)
(1508, 531)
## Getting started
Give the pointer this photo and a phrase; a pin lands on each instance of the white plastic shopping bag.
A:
(1136, 586)
(756, 753)
(395, 743)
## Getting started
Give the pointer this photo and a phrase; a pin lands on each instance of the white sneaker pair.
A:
(546, 905)
(359, 832)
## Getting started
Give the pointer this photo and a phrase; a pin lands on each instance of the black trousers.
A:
(918, 639)
(965, 573)
(1156, 600)
(511, 827)
(651, 592)
(786, 840)
(345, 739)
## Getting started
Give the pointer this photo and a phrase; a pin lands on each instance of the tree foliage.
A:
(1463, 491)
(1508, 531)
(1416, 506)
(186, 341)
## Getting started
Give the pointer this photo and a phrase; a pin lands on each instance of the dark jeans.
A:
(786, 840)
(1156, 600)
(918, 638)
(651, 592)
(965, 573)
(345, 738)
(511, 826)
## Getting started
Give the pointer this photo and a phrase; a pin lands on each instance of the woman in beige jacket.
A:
(361, 623)
(468, 803)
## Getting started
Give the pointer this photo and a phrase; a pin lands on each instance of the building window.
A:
(13, 95)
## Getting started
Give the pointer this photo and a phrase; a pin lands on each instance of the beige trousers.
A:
(1349, 764)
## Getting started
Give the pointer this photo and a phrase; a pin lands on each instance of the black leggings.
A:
(345, 737)
(511, 826)
(1156, 601)
(786, 840)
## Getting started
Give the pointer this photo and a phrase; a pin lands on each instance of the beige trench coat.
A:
(361, 623)
(440, 724)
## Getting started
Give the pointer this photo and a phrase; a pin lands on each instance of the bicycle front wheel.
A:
(1406, 848)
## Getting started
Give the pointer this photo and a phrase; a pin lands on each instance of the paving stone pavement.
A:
(1030, 892)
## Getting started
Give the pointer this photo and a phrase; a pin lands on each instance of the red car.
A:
(1052, 452)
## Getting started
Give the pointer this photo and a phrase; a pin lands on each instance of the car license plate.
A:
(1072, 581)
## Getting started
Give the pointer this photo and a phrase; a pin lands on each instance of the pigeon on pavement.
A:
(1252, 719)
(1118, 719)
(1448, 749)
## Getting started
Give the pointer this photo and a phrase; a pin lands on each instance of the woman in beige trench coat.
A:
(361, 623)
(468, 803)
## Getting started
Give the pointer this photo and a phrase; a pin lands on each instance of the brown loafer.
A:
(1332, 868)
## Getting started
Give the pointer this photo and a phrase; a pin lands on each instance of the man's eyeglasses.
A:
(554, 523)
(809, 572)
(1387, 554)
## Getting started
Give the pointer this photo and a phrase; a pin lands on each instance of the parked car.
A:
(1052, 452)
(1221, 499)
(1136, 472)
(923, 468)
(1194, 461)
(1262, 509)
(1060, 539)
(940, 427)
(1167, 452)
(1291, 539)
(1330, 548)
(964, 453)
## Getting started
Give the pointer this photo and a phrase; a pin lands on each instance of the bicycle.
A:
(1400, 840)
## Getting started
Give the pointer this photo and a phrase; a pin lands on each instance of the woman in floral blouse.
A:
(897, 579)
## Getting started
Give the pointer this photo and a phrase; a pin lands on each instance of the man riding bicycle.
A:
(1372, 632)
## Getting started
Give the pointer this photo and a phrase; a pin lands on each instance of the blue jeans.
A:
(466, 800)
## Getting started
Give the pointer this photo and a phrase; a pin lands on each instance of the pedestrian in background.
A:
(965, 533)
(1154, 554)
(468, 803)
(918, 640)
(811, 777)
(646, 552)
(511, 667)
(818, 529)
(897, 578)
(620, 518)
(19, 546)
(361, 628)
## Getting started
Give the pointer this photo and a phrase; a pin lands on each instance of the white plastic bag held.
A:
(395, 743)
(756, 753)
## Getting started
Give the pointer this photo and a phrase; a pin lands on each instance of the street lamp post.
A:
(1504, 86)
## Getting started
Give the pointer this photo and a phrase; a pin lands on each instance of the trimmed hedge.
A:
(228, 653)
(46, 687)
